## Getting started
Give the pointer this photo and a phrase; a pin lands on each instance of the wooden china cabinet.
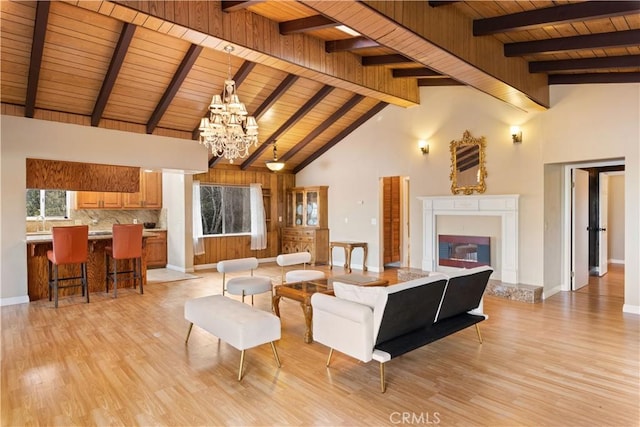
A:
(307, 221)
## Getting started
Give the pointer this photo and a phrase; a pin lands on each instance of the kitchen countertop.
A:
(45, 237)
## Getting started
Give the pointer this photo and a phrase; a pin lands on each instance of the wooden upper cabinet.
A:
(150, 194)
(98, 200)
(307, 207)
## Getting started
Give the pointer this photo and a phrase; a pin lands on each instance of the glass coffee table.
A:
(302, 292)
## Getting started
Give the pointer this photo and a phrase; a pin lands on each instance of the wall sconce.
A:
(423, 146)
(516, 134)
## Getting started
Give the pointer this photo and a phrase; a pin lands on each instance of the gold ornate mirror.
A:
(467, 165)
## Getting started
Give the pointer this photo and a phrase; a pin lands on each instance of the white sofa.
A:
(380, 323)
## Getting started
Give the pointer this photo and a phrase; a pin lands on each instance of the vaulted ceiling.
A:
(310, 71)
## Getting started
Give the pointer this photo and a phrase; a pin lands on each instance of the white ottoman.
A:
(235, 323)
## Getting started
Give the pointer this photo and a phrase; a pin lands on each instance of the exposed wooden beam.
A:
(275, 95)
(439, 82)
(436, 3)
(266, 104)
(263, 44)
(353, 126)
(232, 6)
(178, 78)
(344, 109)
(295, 118)
(354, 43)
(558, 79)
(553, 15)
(590, 41)
(415, 72)
(419, 32)
(384, 60)
(310, 23)
(35, 62)
(126, 35)
(627, 61)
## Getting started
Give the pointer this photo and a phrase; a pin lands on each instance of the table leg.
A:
(276, 305)
(364, 258)
(330, 257)
(347, 253)
(308, 320)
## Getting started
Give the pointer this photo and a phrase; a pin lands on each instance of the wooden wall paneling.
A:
(54, 174)
(221, 248)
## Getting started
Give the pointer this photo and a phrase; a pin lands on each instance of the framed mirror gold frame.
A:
(468, 169)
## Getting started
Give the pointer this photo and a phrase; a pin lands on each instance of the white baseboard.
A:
(633, 309)
(180, 269)
(215, 265)
(616, 261)
(14, 300)
(547, 293)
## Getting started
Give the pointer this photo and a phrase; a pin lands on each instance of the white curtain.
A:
(258, 224)
(198, 241)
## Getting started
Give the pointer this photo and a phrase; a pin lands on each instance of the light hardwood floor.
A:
(572, 360)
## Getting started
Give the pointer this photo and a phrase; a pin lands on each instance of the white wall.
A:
(585, 122)
(22, 138)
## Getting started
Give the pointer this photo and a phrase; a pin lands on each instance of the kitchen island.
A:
(37, 245)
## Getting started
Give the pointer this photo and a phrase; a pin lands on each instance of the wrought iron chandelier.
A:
(229, 131)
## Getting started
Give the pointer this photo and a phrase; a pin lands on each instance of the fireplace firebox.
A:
(464, 251)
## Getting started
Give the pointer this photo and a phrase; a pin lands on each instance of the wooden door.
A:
(391, 218)
(580, 229)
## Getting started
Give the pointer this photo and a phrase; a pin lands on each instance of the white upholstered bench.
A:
(233, 322)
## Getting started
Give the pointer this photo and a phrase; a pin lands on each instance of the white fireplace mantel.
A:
(504, 206)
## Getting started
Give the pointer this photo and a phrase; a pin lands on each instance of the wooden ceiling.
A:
(153, 66)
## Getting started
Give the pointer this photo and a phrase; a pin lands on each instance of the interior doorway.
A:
(587, 220)
(395, 221)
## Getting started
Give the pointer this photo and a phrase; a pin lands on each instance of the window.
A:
(47, 203)
(225, 210)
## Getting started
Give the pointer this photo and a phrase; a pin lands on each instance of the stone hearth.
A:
(496, 288)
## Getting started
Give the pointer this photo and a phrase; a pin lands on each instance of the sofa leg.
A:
(478, 332)
(275, 354)
(383, 386)
(186, 340)
(241, 365)
(329, 358)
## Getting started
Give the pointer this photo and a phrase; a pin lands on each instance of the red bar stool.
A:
(126, 245)
(70, 246)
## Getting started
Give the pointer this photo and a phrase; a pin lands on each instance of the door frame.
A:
(565, 284)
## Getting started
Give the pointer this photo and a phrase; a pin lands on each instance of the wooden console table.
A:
(348, 247)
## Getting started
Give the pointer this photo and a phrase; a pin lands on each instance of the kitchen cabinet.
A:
(156, 247)
(307, 221)
(98, 200)
(150, 194)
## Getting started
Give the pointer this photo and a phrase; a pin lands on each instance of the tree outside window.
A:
(225, 210)
(47, 203)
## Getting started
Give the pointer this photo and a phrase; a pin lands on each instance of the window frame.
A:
(223, 186)
(42, 216)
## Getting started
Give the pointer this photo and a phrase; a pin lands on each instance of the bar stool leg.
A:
(139, 262)
(115, 278)
(55, 284)
(85, 280)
